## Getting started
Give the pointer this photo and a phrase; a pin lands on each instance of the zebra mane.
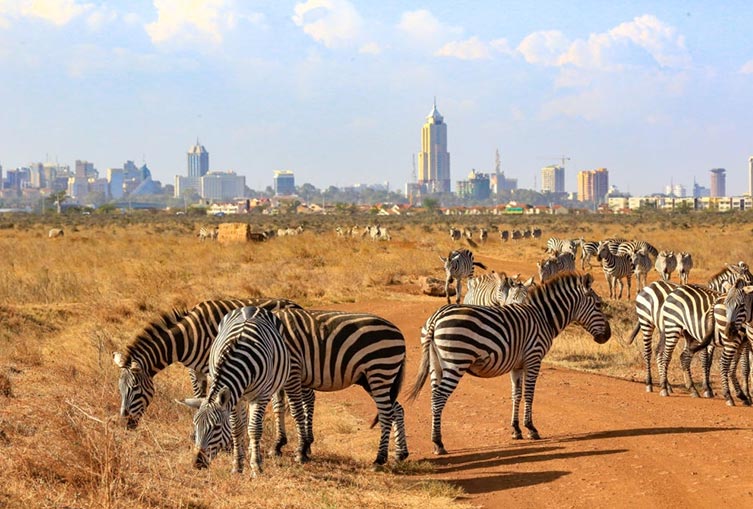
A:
(166, 320)
(561, 279)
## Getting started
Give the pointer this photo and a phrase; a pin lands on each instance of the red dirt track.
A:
(605, 442)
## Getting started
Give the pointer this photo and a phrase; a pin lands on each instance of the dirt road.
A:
(605, 442)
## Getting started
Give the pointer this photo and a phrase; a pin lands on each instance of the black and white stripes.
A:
(458, 265)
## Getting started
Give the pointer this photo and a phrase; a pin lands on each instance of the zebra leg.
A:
(278, 406)
(380, 393)
(516, 379)
(707, 355)
(739, 392)
(531, 375)
(647, 333)
(237, 428)
(724, 364)
(458, 289)
(255, 426)
(745, 368)
(685, 359)
(398, 427)
(440, 392)
(663, 361)
(309, 398)
(295, 398)
(447, 282)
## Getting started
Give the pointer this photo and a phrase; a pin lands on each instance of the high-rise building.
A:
(750, 176)
(284, 183)
(476, 187)
(198, 160)
(553, 179)
(115, 179)
(434, 160)
(718, 182)
(593, 185)
(220, 186)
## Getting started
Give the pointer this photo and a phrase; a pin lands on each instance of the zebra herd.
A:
(457, 234)
(373, 232)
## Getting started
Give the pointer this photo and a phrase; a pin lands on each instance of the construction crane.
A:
(561, 158)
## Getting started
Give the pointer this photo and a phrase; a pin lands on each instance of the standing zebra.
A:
(179, 336)
(587, 250)
(495, 290)
(332, 350)
(633, 246)
(483, 235)
(248, 361)
(641, 266)
(665, 264)
(504, 235)
(684, 264)
(648, 303)
(563, 262)
(207, 233)
(489, 342)
(615, 268)
(455, 234)
(556, 246)
(458, 265)
(722, 280)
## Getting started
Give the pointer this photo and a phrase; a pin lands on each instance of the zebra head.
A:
(588, 312)
(739, 308)
(211, 424)
(136, 389)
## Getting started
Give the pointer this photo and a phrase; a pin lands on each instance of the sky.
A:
(337, 90)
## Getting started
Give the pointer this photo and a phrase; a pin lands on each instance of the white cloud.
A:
(197, 20)
(543, 48)
(422, 27)
(334, 23)
(661, 41)
(57, 12)
(747, 67)
(469, 49)
(370, 48)
(101, 17)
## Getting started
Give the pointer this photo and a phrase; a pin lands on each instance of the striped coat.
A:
(458, 265)
(616, 268)
(488, 342)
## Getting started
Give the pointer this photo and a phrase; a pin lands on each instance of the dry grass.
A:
(66, 304)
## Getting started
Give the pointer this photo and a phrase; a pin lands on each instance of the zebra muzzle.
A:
(201, 461)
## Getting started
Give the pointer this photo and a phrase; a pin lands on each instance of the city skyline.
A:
(336, 90)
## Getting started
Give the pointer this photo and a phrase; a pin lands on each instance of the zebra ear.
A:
(528, 282)
(588, 280)
(191, 402)
(748, 289)
(223, 397)
(119, 359)
(135, 367)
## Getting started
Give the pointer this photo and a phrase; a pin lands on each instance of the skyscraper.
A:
(198, 160)
(718, 182)
(553, 179)
(593, 185)
(434, 160)
(284, 183)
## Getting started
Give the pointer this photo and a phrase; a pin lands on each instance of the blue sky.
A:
(337, 90)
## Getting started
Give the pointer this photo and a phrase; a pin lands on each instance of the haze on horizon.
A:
(337, 90)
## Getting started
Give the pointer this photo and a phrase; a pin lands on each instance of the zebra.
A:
(483, 235)
(648, 303)
(615, 268)
(183, 336)
(587, 250)
(206, 233)
(459, 264)
(517, 235)
(633, 246)
(504, 235)
(665, 264)
(247, 361)
(684, 264)
(455, 234)
(722, 280)
(496, 290)
(614, 244)
(536, 233)
(563, 262)
(332, 350)
(641, 266)
(55, 233)
(518, 292)
(556, 246)
(468, 233)
(489, 342)
(688, 311)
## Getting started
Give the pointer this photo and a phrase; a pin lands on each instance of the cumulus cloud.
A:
(203, 20)
(334, 23)
(423, 27)
(747, 67)
(370, 48)
(57, 12)
(544, 47)
(469, 49)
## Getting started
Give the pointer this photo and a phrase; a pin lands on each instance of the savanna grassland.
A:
(67, 303)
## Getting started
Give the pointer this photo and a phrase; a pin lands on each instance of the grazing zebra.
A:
(467, 233)
(722, 280)
(688, 311)
(665, 264)
(55, 233)
(247, 361)
(179, 336)
(587, 250)
(536, 233)
(563, 262)
(641, 267)
(633, 246)
(495, 290)
(517, 235)
(206, 233)
(615, 268)
(458, 265)
(489, 342)
(684, 264)
(648, 303)
(332, 350)
(455, 234)
(483, 235)
(504, 235)
(556, 246)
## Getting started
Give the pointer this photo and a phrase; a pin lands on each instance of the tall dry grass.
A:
(66, 304)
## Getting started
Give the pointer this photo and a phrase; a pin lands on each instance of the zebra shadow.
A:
(639, 432)
(486, 484)
(499, 458)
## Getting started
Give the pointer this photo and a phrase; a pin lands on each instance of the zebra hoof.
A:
(708, 394)
(534, 435)
(302, 459)
(664, 393)
(649, 388)
(377, 467)
(517, 435)
(401, 456)
(439, 450)
(694, 394)
(730, 402)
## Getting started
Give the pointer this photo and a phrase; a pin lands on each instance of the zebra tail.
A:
(479, 264)
(428, 350)
(709, 335)
(633, 334)
(397, 384)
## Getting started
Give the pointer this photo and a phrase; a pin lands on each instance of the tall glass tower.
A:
(434, 160)
(198, 160)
